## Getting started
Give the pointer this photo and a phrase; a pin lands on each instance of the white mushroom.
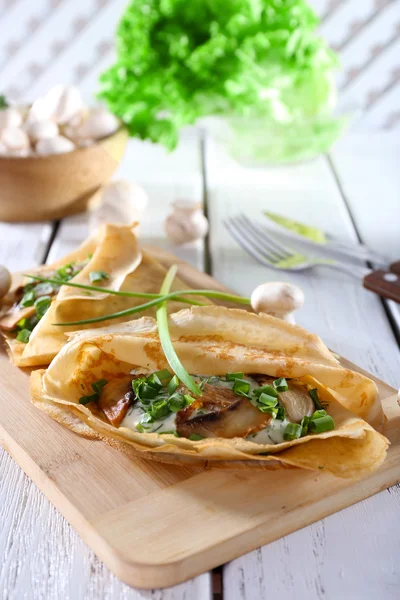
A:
(10, 117)
(40, 110)
(39, 130)
(67, 102)
(121, 202)
(54, 145)
(186, 223)
(14, 138)
(99, 123)
(3, 149)
(278, 299)
(5, 281)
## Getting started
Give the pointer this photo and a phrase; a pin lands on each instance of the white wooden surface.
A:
(351, 555)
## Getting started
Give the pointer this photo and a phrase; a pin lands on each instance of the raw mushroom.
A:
(99, 124)
(39, 130)
(186, 223)
(10, 117)
(5, 281)
(54, 145)
(15, 138)
(67, 102)
(121, 202)
(278, 299)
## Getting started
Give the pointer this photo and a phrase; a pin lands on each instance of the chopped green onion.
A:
(176, 434)
(24, 335)
(43, 289)
(314, 397)
(241, 387)
(173, 385)
(65, 272)
(267, 399)
(281, 385)
(147, 391)
(140, 428)
(266, 389)
(322, 424)
(292, 432)
(159, 409)
(188, 399)
(233, 376)
(318, 413)
(304, 425)
(165, 338)
(163, 375)
(42, 305)
(195, 437)
(176, 402)
(96, 276)
(28, 299)
(281, 414)
(154, 381)
(88, 399)
(97, 386)
(272, 410)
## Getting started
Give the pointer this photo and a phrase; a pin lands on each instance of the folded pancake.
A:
(271, 392)
(113, 254)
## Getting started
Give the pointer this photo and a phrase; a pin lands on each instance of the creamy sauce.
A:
(272, 434)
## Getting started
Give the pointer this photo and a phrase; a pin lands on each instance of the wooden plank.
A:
(126, 517)
(370, 182)
(350, 320)
(165, 177)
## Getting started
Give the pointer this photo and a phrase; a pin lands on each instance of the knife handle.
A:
(385, 283)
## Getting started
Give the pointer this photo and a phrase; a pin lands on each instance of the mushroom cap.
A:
(5, 281)
(277, 297)
(55, 145)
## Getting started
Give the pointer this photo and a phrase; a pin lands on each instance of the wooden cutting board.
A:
(156, 525)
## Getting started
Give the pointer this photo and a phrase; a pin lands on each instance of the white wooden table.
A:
(354, 193)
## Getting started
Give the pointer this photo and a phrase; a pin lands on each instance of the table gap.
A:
(389, 309)
(208, 266)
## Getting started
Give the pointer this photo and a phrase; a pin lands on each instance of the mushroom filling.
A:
(259, 408)
(32, 300)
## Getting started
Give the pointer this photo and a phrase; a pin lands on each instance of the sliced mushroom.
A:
(297, 402)
(225, 415)
(115, 399)
(9, 321)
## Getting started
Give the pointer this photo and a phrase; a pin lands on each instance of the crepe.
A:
(114, 250)
(215, 341)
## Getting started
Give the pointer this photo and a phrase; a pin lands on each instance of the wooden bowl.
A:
(38, 188)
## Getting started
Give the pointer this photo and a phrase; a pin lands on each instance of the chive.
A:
(292, 432)
(322, 424)
(318, 413)
(188, 399)
(97, 386)
(42, 305)
(176, 402)
(266, 389)
(267, 400)
(314, 397)
(163, 375)
(241, 387)
(173, 385)
(233, 376)
(154, 381)
(272, 410)
(140, 428)
(281, 385)
(96, 276)
(195, 437)
(28, 299)
(281, 414)
(159, 410)
(304, 425)
(165, 338)
(91, 398)
(148, 391)
(24, 335)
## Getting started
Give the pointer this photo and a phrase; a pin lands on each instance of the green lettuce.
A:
(181, 60)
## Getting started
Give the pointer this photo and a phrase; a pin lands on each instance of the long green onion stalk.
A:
(155, 299)
(165, 338)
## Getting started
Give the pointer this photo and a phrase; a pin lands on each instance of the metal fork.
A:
(269, 252)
